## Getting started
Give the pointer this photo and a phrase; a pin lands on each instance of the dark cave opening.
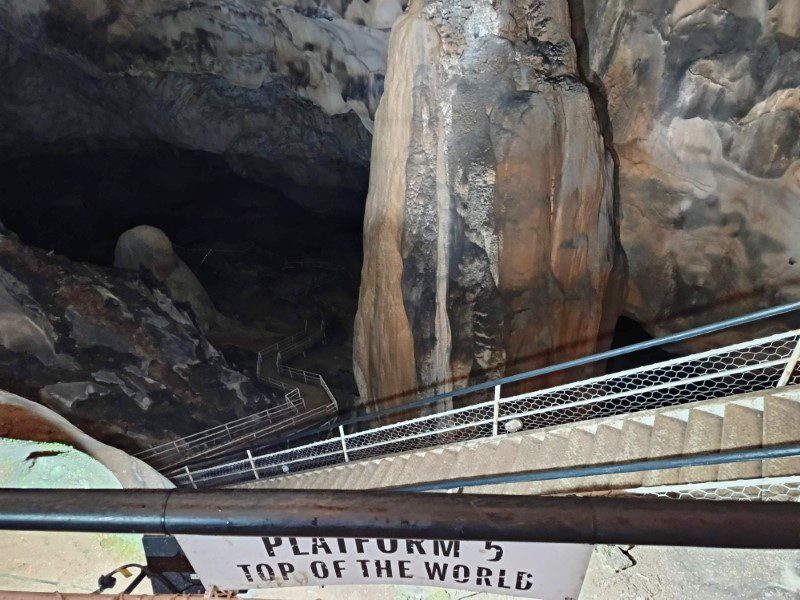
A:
(627, 332)
(252, 248)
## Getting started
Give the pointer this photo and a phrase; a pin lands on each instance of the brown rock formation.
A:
(702, 99)
(489, 233)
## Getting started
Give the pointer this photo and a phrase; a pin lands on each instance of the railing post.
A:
(230, 437)
(252, 463)
(189, 474)
(496, 410)
(790, 365)
(344, 444)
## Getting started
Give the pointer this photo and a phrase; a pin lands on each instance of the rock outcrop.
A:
(112, 354)
(21, 419)
(489, 234)
(703, 98)
(285, 92)
(149, 248)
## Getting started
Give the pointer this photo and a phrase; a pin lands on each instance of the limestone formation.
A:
(113, 354)
(703, 98)
(489, 233)
(149, 248)
(285, 92)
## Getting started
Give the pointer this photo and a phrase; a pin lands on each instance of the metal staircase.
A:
(306, 402)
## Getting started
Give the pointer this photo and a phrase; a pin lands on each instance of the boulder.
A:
(110, 352)
(149, 248)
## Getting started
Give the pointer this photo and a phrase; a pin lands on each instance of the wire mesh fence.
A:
(750, 366)
(770, 489)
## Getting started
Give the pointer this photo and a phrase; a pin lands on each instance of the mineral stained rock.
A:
(703, 98)
(285, 92)
(489, 233)
(109, 352)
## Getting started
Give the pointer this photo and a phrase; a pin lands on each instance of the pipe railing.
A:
(229, 430)
(355, 419)
(588, 520)
(248, 427)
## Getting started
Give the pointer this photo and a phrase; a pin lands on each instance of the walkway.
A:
(371, 457)
(307, 401)
(273, 370)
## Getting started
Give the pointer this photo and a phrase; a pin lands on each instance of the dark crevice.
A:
(612, 302)
(629, 556)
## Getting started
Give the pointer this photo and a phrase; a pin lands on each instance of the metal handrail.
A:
(228, 429)
(760, 315)
(297, 343)
(771, 362)
(722, 457)
(404, 515)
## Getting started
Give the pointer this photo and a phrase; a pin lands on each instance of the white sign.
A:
(533, 570)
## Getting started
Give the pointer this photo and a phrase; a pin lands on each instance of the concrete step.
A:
(362, 472)
(669, 431)
(554, 446)
(742, 427)
(579, 452)
(703, 435)
(416, 468)
(634, 445)
(608, 437)
(344, 473)
(527, 457)
(326, 478)
(781, 426)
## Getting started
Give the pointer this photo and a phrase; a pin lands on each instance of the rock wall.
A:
(489, 233)
(703, 98)
(285, 92)
(109, 352)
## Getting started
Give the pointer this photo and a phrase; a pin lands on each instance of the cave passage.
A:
(240, 238)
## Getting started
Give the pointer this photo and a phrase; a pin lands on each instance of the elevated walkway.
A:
(273, 370)
(640, 413)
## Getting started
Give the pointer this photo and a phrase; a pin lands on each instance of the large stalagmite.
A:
(489, 233)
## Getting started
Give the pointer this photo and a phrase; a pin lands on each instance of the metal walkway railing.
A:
(289, 415)
(755, 365)
(223, 436)
(286, 350)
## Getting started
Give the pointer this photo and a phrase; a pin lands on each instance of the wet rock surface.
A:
(110, 352)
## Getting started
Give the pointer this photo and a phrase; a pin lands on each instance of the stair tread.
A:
(703, 435)
(781, 426)
(666, 440)
(742, 427)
